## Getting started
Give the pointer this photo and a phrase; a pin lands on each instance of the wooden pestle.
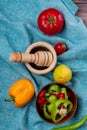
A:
(40, 58)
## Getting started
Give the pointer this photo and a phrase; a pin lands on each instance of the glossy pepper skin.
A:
(53, 109)
(73, 126)
(51, 21)
(21, 92)
(53, 88)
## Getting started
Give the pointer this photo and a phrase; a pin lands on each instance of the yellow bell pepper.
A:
(21, 92)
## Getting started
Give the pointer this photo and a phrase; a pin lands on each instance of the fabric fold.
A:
(73, 8)
(18, 30)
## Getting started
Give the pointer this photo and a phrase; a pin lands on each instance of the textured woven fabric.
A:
(18, 29)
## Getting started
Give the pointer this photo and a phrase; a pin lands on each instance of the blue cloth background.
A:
(18, 29)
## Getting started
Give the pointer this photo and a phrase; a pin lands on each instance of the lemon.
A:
(62, 74)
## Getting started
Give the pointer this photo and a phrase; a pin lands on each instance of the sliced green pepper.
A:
(53, 109)
(69, 104)
(63, 90)
(54, 88)
(46, 95)
(52, 99)
(50, 107)
(47, 116)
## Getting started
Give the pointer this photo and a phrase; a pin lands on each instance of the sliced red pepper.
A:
(41, 100)
(41, 106)
(61, 95)
(42, 92)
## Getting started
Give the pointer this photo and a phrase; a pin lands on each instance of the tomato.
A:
(51, 21)
(60, 48)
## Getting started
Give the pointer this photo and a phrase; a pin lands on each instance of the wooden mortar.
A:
(39, 58)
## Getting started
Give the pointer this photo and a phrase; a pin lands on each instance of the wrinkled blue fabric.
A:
(19, 29)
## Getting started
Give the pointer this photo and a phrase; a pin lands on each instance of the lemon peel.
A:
(62, 73)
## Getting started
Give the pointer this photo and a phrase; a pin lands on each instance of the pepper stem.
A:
(10, 99)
